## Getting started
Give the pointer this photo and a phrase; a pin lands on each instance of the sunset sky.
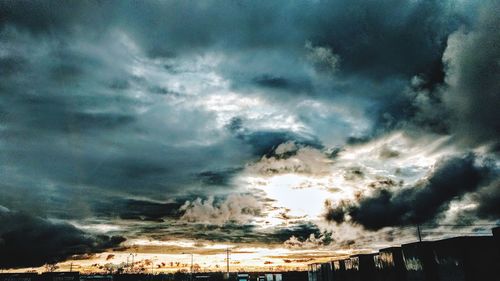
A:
(285, 131)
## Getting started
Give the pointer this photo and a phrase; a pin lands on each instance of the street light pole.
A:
(132, 265)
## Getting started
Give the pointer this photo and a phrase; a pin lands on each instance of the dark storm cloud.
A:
(377, 38)
(232, 232)
(219, 178)
(450, 180)
(460, 98)
(473, 77)
(71, 120)
(139, 210)
(300, 231)
(385, 39)
(281, 83)
(11, 65)
(61, 114)
(40, 16)
(264, 142)
(81, 134)
(488, 200)
(379, 45)
(94, 173)
(236, 233)
(172, 229)
(336, 213)
(28, 241)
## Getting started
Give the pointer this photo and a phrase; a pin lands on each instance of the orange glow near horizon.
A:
(242, 259)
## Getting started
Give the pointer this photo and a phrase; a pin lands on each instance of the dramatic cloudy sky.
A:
(286, 131)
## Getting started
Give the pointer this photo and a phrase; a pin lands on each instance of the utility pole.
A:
(126, 264)
(227, 260)
(71, 267)
(192, 257)
(419, 234)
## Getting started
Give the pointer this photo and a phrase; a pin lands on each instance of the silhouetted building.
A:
(314, 273)
(390, 264)
(339, 271)
(362, 267)
(466, 258)
(419, 261)
(60, 276)
(96, 277)
(19, 277)
(496, 236)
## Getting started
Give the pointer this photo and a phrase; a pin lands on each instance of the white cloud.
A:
(307, 160)
(239, 208)
(311, 242)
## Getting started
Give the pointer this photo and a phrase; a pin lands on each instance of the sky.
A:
(286, 132)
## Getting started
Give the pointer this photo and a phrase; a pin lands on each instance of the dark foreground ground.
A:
(178, 276)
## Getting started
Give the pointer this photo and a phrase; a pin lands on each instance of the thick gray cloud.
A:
(488, 201)
(230, 232)
(464, 101)
(139, 210)
(71, 120)
(473, 77)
